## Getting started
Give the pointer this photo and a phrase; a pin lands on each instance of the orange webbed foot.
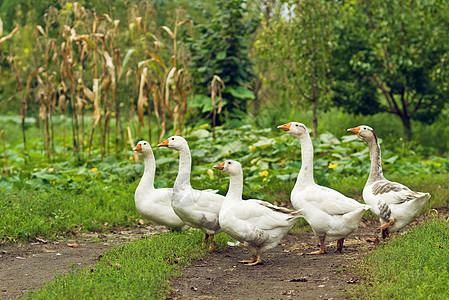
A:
(257, 262)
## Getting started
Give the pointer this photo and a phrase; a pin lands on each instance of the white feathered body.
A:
(327, 211)
(198, 209)
(155, 205)
(403, 203)
(255, 223)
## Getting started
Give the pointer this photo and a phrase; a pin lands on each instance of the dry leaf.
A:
(73, 245)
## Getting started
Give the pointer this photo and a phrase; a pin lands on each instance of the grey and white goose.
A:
(394, 203)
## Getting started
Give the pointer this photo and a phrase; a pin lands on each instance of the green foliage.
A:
(221, 48)
(411, 266)
(297, 45)
(138, 270)
(392, 56)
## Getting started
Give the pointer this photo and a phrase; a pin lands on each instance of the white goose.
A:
(151, 203)
(395, 204)
(331, 215)
(196, 208)
(257, 224)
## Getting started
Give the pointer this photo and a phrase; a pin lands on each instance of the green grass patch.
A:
(28, 214)
(414, 265)
(138, 270)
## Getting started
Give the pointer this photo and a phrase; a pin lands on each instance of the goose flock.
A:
(260, 225)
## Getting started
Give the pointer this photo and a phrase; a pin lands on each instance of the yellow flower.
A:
(252, 148)
(332, 166)
(264, 173)
(210, 172)
(131, 158)
(94, 170)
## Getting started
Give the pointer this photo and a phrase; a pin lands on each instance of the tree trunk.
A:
(407, 126)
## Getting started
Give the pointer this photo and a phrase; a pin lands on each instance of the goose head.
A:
(295, 129)
(230, 167)
(174, 142)
(365, 133)
(143, 147)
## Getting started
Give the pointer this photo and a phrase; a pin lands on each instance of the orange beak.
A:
(138, 148)
(285, 127)
(354, 130)
(220, 166)
(163, 144)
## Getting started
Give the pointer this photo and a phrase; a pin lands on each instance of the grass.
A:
(30, 214)
(412, 266)
(138, 270)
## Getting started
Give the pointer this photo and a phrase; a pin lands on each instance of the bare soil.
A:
(287, 272)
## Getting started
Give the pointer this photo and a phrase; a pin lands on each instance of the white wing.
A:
(328, 200)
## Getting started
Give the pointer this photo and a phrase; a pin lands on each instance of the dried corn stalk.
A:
(216, 86)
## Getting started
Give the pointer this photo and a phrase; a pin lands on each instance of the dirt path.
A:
(29, 266)
(286, 273)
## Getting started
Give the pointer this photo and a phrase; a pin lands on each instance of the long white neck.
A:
(149, 170)
(235, 189)
(185, 164)
(375, 173)
(305, 175)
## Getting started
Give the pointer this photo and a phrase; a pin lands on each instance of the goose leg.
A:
(322, 247)
(258, 261)
(384, 228)
(211, 239)
(253, 259)
(339, 245)
(206, 237)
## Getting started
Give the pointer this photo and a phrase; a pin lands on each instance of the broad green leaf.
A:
(221, 55)
(240, 92)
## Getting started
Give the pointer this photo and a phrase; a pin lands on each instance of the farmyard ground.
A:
(287, 272)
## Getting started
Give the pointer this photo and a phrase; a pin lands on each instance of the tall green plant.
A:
(221, 48)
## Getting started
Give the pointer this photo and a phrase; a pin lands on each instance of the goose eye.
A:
(296, 125)
(229, 163)
(172, 139)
